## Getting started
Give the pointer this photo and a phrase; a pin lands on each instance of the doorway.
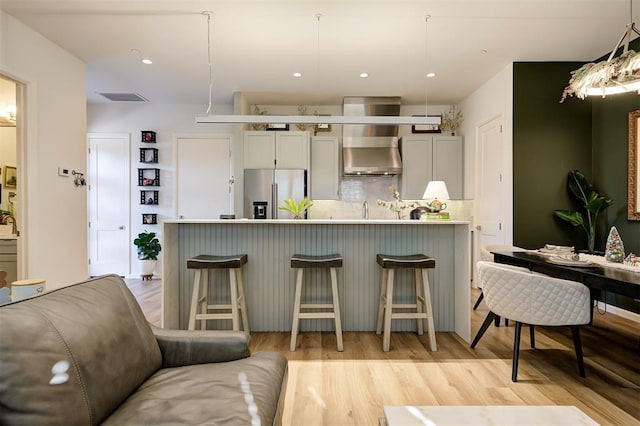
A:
(204, 176)
(490, 186)
(10, 214)
(109, 203)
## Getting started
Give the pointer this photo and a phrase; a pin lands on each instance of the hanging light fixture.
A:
(211, 118)
(610, 77)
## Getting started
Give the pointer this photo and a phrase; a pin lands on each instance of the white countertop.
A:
(321, 221)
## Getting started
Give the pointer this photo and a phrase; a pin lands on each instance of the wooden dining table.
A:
(599, 278)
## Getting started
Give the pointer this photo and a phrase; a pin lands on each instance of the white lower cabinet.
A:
(428, 157)
(325, 171)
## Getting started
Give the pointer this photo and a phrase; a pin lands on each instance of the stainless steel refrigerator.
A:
(273, 186)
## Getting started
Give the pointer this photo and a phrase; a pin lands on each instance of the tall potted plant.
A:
(149, 248)
(591, 202)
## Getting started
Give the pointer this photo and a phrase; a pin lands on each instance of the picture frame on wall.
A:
(427, 128)
(10, 177)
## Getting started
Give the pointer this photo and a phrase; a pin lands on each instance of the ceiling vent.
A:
(124, 97)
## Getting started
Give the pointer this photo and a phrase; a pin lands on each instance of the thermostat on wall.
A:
(63, 172)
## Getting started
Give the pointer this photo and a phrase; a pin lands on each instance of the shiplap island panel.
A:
(269, 281)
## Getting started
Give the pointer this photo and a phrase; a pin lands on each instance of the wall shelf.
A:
(149, 177)
(149, 197)
(149, 218)
(148, 136)
(149, 155)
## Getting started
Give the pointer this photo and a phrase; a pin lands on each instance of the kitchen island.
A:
(269, 281)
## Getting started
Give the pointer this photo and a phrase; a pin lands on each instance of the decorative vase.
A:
(147, 267)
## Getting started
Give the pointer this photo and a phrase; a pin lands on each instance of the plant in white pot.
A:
(149, 248)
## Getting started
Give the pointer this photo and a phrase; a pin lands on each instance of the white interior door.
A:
(109, 182)
(490, 186)
(204, 177)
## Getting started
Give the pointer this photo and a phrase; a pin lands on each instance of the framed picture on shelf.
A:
(323, 127)
(10, 177)
(427, 128)
(278, 126)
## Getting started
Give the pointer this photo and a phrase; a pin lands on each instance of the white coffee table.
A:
(495, 415)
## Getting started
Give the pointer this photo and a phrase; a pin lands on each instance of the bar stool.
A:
(302, 262)
(419, 263)
(200, 306)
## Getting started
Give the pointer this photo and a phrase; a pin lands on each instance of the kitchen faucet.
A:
(365, 210)
(14, 229)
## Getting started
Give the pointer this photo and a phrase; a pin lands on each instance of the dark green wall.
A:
(549, 140)
(610, 151)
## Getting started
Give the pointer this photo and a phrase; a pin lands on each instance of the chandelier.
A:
(610, 77)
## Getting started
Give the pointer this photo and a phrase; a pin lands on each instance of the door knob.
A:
(478, 228)
(121, 227)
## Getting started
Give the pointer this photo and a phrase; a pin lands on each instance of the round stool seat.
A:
(411, 261)
(205, 261)
(325, 261)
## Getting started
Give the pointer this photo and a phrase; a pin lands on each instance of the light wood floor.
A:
(326, 387)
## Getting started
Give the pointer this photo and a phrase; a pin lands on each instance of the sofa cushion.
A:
(98, 328)
(208, 394)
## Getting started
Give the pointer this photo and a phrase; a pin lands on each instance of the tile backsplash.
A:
(356, 190)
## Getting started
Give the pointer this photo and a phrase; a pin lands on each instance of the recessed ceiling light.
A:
(147, 61)
(135, 51)
(431, 74)
(297, 74)
(364, 75)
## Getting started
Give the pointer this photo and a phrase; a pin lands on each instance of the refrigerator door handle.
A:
(274, 200)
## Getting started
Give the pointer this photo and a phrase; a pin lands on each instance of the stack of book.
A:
(438, 216)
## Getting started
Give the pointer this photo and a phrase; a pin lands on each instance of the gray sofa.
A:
(117, 369)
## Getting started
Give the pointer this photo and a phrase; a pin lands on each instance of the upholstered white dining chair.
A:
(487, 256)
(533, 299)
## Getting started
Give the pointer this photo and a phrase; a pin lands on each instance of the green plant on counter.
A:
(296, 209)
(148, 246)
(592, 202)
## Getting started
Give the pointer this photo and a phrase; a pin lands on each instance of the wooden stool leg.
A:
(381, 304)
(194, 301)
(204, 298)
(242, 302)
(235, 316)
(336, 309)
(429, 309)
(419, 299)
(296, 311)
(388, 311)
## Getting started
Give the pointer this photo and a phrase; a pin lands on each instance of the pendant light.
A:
(211, 118)
(610, 77)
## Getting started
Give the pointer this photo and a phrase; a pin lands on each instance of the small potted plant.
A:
(149, 248)
(296, 209)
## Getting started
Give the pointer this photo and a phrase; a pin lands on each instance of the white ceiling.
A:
(258, 44)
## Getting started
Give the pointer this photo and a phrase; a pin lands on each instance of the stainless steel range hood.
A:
(371, 149)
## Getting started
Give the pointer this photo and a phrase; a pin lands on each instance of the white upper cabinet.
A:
(431, 157)
(325, 169)
(273, 149)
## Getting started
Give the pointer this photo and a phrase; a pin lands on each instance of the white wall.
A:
(492, 99)
(166, 120)
(53, 242)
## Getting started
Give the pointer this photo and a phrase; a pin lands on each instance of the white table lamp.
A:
(436, 192)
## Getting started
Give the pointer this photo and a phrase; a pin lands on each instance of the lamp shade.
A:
(436, 189)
